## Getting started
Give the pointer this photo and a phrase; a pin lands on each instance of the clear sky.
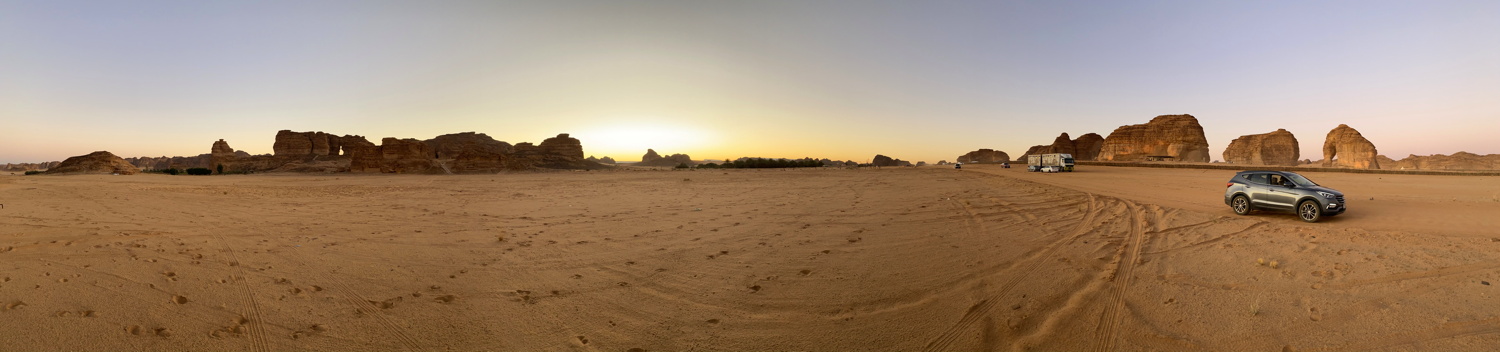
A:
(916, 80)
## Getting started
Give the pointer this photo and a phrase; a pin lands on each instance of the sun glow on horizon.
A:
(628, 143)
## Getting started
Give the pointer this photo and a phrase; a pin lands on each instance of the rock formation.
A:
(290, 143)
(651, 158)
(561, 152)
(1274, 148)
(450, 146)
(984, 156)
(881, 160)
(1087, 146)
(1350, 149)
(21, 167)
(1176, 136)
(607, 160)
(395, 155)
(100, 162)
(1457, 161)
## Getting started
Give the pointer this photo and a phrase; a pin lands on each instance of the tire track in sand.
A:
(979, 311)
(1130, 255)
(366, 307)
(251, 307)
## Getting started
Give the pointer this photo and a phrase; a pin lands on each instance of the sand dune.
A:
(1108, 258)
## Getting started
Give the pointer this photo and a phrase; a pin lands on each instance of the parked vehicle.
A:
(1055, 162)
(958, 165)
(1005, 165)
(1282, 191)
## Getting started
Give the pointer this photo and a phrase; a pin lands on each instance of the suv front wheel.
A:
(1240, 204)
(1309, 211)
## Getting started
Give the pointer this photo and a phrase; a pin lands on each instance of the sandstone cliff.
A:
(100, 162)
(1345, 147)
(1176, 136)
(1273, 148)
(984, 156)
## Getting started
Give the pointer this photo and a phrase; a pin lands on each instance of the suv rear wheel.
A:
(1240, 204)
(1309, 211)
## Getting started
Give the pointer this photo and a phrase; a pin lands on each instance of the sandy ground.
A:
(1107, 258)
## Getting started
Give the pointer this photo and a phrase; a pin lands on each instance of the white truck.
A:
(1049, 162)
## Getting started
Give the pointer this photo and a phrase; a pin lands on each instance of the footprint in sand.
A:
(179, 299)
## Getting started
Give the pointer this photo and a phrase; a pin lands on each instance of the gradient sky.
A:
(916, 80)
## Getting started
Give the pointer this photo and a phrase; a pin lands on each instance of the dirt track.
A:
(891, 259)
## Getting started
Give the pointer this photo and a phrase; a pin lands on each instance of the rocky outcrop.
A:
(607, 160)
(1345, 147)
(560, 152)
(651, 158)
(1087, 146)
(450, 146)
(174, 162)
(395, 155)
(21, 167)
(100, 162)
(984, 156)
(881, 160)
(1177, 136)
(290, 143)
(1274, 148)
(1456, 162)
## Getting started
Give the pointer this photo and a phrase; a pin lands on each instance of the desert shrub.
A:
(763, 163)
(199, 171)
(34, 172)
(708, 166)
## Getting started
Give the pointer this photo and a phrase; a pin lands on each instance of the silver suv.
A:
(1284, 192)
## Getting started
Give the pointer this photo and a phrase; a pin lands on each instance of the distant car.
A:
(958, 165)
(1005, 165)
(1282, 191)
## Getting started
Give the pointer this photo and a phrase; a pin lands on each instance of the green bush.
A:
(764, 163)
(199, 171)
(34, 172)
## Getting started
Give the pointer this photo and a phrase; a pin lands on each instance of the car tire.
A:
(1240, 204)
(1309, 211)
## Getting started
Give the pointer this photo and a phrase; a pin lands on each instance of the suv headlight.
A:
(1325, 194)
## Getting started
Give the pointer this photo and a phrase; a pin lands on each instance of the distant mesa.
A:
(100, 162)
(467, 152)
(882, 160)
(982, 156)
(604, 160)
(20, 167)
(836, 163)
(1455, 162)
(1346, 148)
(921, 163)
(1274, 148)
(651, 158)
(1166, 137)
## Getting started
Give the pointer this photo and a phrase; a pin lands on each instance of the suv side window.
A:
(1276, 180)
(1259, 178)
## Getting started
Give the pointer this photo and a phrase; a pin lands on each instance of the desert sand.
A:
(931, 258)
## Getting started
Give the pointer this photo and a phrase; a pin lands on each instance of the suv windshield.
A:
(1300, 181)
